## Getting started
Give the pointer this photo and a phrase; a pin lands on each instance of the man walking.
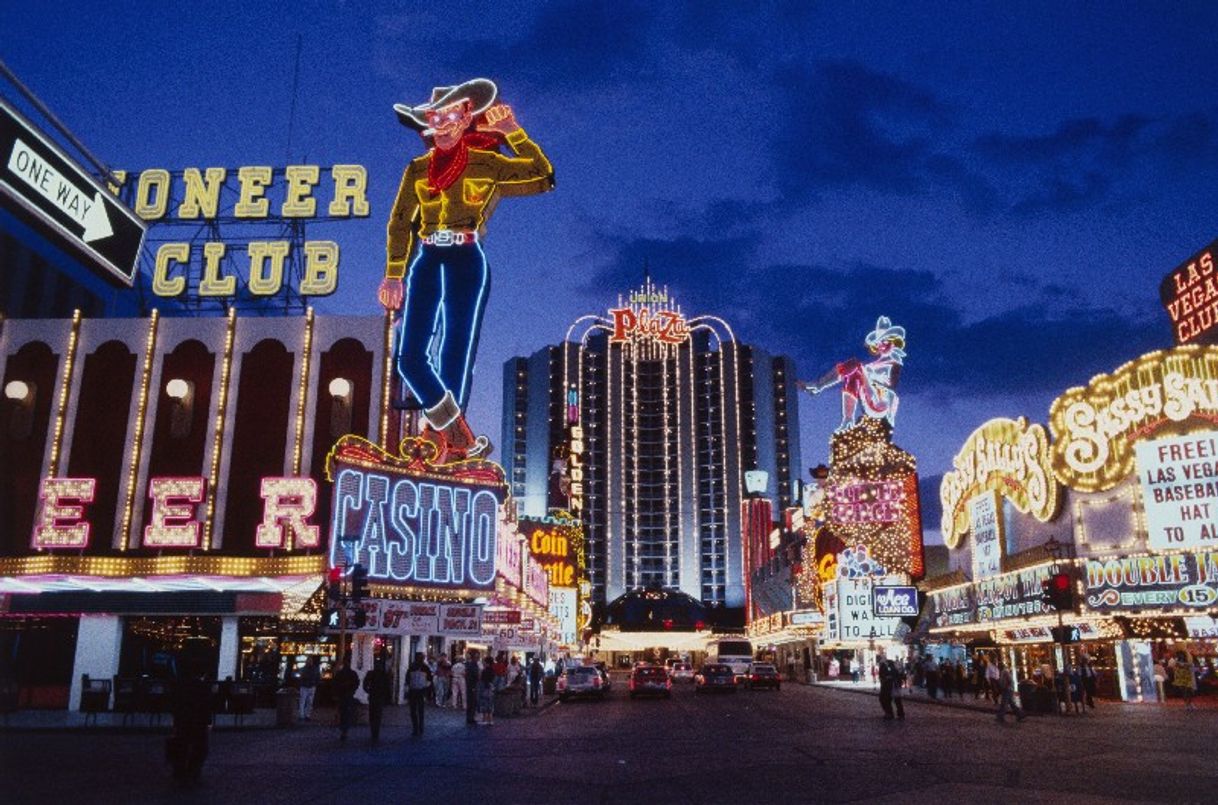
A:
(1006, 693)
(309, 677)
(886, 678)
(536, 672)
(458, 681)
(418, 683)
(346, 682)
(380, 690)
(472, 672)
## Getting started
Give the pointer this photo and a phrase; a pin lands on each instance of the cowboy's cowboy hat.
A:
(480, 92)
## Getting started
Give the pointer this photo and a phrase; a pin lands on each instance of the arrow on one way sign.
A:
(73, 202)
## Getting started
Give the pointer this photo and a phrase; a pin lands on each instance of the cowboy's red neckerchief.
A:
(446, 166)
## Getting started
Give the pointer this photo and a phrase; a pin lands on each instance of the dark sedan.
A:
(715, 677)
(764, 675)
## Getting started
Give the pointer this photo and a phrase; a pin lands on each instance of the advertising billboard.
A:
(1179, 480)
(1189, 294)
(985, 522)
(1166, 582)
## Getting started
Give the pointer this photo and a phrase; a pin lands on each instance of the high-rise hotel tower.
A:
(667, 413)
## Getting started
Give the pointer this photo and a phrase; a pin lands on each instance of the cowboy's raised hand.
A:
(501, 119)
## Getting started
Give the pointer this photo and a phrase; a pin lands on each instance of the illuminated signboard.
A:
(985, 516)
(555, 542)
(385, 616)
(249, 202)
(1171, 582)
(856, 617)
(1179, 481)
(1168, 392)
(1190, 296)
(536, 582)
(1011, 595)
(649, 317)
(858, 502)
(564, 606)
(174, 513)
(894, 602)
(954, 606)
(508, 557)
(1006, 456)
(424, 530)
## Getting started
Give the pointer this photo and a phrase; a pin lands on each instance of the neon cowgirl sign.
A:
(419, 530)
(287, 503)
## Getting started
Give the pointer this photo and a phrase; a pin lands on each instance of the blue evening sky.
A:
(1009, 181)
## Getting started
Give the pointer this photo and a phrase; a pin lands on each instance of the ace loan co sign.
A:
(62, 198)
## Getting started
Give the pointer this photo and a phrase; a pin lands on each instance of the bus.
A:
(734, 652)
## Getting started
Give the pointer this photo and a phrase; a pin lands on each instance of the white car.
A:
(682, 672)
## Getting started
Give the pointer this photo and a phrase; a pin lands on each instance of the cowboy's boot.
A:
(459, 441)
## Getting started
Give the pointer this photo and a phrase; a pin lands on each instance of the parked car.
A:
(713, 677)
(650, 679)
(583, 680)
(682, 672)
(764, 675)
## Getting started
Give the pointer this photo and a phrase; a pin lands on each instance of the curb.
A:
(875, 694)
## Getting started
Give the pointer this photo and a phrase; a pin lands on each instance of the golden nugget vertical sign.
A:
(251, 219)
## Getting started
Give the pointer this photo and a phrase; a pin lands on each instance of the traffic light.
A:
(334, 587)
(359, 617)
(359, 583)
(1058, 592)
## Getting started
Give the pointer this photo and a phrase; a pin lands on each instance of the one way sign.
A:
(61, 196)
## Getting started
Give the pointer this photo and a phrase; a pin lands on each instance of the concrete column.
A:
(98, 643)
(230, 647)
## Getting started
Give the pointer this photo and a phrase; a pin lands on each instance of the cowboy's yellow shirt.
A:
(466, 204)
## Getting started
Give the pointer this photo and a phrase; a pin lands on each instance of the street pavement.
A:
(800, 744)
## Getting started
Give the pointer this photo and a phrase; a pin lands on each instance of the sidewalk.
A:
(981, 705)
(396, 715)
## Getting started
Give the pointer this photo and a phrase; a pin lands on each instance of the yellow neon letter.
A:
(265, 284)
(146, 207)
(350, 190)
(321, 268)
(298, 201)
(290, 502)
(252, 202)
(173, 523)
(212, 283)
(199, 199)
(60, 522)
(162, 283)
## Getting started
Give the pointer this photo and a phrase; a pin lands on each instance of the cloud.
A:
(819, 315)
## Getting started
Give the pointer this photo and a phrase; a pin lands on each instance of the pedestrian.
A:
(536, 672)
(1076, 688)
(835, 669)
(473, 672)
(500, 667)
(310, 675)
(487, 681)
(187, 747)
(379, 688)
(346, 683)
(962, 678)
(418, 684)
(444, 676)
(932, 677)
(458, 683)
(1184, 678)
(1061, 687)
(992, 675)
(899, 675)
(887, 673)
(979, 684)
(1089, 681)
(1161, 679)
(1006, 693)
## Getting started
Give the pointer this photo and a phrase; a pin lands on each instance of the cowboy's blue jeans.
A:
(446, 290)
